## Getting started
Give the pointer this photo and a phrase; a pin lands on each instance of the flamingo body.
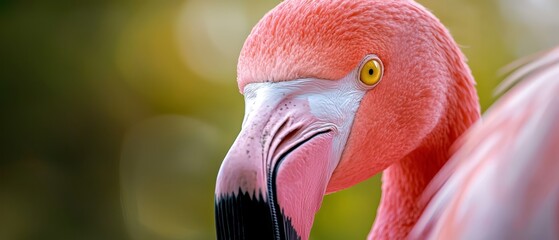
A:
(502, 183)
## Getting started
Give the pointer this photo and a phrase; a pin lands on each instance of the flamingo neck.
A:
(404, 182)
(402, 188)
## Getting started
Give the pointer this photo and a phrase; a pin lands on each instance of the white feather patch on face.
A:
(333, 103)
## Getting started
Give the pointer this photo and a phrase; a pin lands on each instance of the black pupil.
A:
(370, 71)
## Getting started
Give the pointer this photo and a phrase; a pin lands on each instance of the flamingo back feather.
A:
(503, 180)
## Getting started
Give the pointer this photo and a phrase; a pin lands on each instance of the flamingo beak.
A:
(274, 174)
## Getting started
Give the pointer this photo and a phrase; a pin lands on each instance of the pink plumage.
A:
(312, 127)
(503, 182)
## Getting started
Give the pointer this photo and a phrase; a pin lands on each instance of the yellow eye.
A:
(371, 72)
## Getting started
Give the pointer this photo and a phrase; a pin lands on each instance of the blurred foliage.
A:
(117, 114)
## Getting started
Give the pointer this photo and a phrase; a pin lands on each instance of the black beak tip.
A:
(240, 216)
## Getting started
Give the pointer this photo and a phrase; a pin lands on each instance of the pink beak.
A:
(274, 177)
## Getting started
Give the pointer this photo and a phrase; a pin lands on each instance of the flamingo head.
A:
(335, 92)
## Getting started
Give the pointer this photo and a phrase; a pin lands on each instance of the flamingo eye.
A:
(371, 72)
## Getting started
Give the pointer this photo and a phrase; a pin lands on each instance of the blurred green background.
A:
(116, 114)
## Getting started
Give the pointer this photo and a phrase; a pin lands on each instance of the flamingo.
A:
(337, 91)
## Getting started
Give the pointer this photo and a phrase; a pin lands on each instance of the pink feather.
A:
(502, 183)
